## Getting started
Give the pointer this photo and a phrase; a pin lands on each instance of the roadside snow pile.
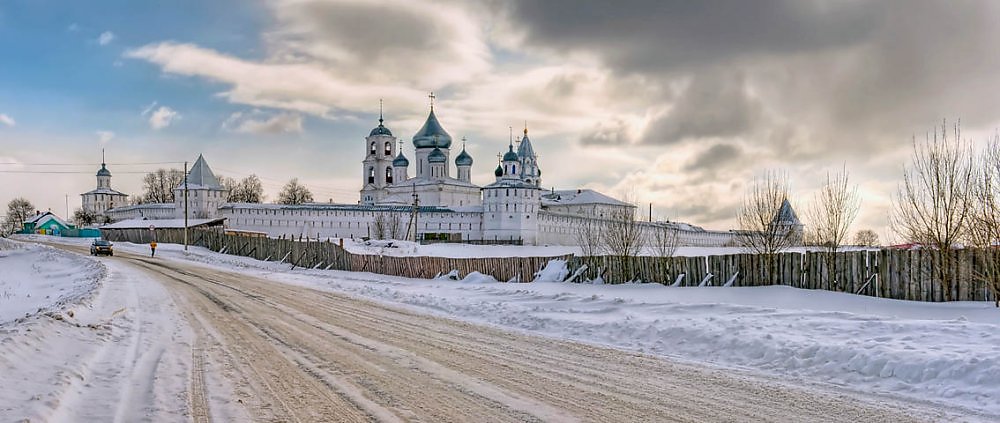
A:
(476, 277)
(36, 279)
(554, 271)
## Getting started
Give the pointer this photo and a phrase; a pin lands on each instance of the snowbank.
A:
(36, 279)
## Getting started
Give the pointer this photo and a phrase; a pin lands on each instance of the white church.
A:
(435, 203)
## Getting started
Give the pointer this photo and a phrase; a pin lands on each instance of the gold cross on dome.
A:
(432, 97)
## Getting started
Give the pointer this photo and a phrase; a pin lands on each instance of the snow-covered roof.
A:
(510, 183)
(163, 223)
(41, 218)
(107, 191)
(341, 207)
(579, 197)
(147, 206)
(419, 181)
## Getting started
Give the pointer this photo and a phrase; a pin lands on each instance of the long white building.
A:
(435, 203)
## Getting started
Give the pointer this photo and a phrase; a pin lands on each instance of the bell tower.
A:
(377, 167)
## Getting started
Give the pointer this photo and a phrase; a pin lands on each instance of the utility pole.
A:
(414, 212)
(67, 207)
(185, 206)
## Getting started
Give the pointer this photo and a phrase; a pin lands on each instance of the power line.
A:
(87, 164)
(33, 172)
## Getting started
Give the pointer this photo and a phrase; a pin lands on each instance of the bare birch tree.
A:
(589, 236)
(984, 222)
(623, 234)
(932, 205)
(664, 239)
(760, 231)
(830, 216)
(624, 237)
(387, 225)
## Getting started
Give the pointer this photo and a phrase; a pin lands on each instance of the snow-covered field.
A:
(36, 279)
(946, 353)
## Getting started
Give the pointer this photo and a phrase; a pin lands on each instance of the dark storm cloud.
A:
(658, 35)
(852, 76)
(714, 157)
(713, 105)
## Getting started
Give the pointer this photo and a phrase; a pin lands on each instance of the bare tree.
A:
(664, 239)
(866, 238)
(158, 186)
(984, 221)
(84, 217)
(933, 204)
(589, 236)
(18, 210)
(294, 193)
(834, 208)
(761, 227)
(387, 225)
(246, 190)
(623, 236)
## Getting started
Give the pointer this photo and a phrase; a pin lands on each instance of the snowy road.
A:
(253, 348)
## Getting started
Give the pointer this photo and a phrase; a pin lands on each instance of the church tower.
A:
(377, 168)
(511, 204)
(529, 161)
(103, 197)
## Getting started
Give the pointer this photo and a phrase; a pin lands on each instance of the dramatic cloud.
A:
(259, 123)
(718, 155)
(680, 101)
(7, 120)
(161, 117)
(712, 106)
(105, 38)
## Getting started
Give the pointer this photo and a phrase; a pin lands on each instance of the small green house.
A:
(46, 223)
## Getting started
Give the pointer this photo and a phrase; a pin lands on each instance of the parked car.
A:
(101, 246)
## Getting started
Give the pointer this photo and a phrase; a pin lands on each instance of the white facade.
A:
(102, 198)
(385, 170)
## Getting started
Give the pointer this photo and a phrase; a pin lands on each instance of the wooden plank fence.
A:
(897, 274)
(311, 253)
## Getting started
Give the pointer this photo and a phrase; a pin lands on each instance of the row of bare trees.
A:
(158, 187)
(622, 234)
(949, 197)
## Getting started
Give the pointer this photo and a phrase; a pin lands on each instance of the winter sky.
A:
(680, 102)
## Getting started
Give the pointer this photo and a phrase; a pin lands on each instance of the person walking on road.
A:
(152, 249)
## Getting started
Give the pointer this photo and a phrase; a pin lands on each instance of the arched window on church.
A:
(388, 175)
(388, 148)
(373, 148)
(371, 174)
(513, 169)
